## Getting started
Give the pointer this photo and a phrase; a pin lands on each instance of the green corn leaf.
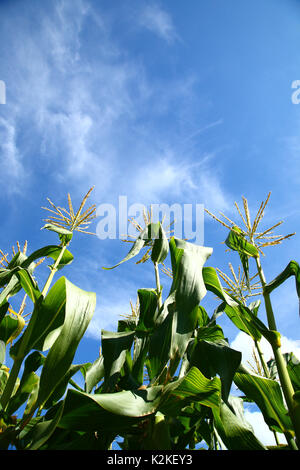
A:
(65, 235)
(29, 381)
(144, 238)
(187, 263)
(24, 390)
(241, 316)
(160, 344)
(238, 243)
(79, 309)
(29, 284)
(235, 432)
(4, 374)
(42, 431)
(2, 352)
(160, 247)
(266, 393)
(47, 318)
(3, 309)
(107, 412)
(94, 374)
(147, 308)
(176, 321)
(141, 347)
(13, 287)
(292, 269)
(114, 348)
(17, 260)
(62, 385)
(293, 368)
(157, 434)
(49, 251)
(189, 287)
(213, 284)
(11, 327)
(216, 358)
(194, 386)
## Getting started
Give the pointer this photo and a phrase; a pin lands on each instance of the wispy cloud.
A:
(94, 115)
(12, 169)
(159, 22)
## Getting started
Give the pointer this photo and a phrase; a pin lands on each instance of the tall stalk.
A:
(285, 381)
(262, 359)
(158, 286)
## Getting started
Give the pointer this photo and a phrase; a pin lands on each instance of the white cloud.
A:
(158, 21)
(261, 429)
(11, 165)
(244, 344)
(93, 118)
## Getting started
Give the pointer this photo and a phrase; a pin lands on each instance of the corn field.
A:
(163, 379)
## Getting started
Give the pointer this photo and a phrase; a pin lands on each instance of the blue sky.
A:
(160, 101)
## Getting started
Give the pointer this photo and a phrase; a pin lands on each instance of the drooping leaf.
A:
(141, 347)
(238, 243)
(160, 247)
(149, 232)
(46, 320)
(65, 235)
(266, 393)
(235, 432)
(160, 340)
(147, 308)
(29, 284)
(216, 358)
(194, 386)
(62, 385)
(114, 348)
(239, 314)
(108, 411)
(292, 269)
(43, 430)
(28, 381)
(79, 310)
(49, 251)
(94, 374)
(187, 264)
(189, 288)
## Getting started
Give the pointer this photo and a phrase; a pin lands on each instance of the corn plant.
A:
(164, 379)
(47, 340)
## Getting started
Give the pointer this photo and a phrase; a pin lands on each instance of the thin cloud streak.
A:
(159, 22)
(83, 113)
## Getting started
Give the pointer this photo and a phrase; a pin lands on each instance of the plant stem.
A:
(158, 287)
(284, 378)
(10, 384)
(262, 359)
(53, 271)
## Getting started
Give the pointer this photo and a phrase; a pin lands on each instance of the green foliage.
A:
(163, 380)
